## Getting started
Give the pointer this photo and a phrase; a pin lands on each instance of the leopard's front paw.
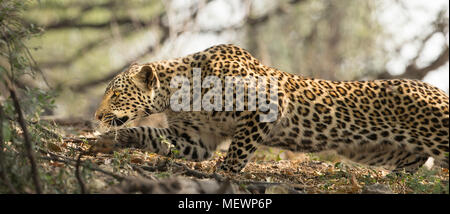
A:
(228, 166)
(106, 143)
(111, 141)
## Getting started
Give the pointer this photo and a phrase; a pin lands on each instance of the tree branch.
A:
(413, 72)
(264, 18)
(28, 145)
(439, 25)
(165, 35)
(255, 21)
(69, 22)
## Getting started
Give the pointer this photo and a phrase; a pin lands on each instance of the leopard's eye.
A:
(116, 94)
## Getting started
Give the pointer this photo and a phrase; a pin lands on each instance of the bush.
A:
(21, 131)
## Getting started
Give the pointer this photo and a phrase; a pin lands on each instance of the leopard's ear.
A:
(146, 78)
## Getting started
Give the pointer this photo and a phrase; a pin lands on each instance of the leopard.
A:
(393, 123)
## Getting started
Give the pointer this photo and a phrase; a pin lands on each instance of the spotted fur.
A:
(395, 123)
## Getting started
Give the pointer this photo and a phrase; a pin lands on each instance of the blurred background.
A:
(85, 43)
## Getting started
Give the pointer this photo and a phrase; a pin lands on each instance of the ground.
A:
(270, 171)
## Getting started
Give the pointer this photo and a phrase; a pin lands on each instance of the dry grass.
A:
(307, 173)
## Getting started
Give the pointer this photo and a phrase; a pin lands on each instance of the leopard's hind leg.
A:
(397, 159)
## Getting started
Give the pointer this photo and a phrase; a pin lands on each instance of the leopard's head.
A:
(132, 94)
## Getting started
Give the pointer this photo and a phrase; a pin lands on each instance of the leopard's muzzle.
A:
(113, 120)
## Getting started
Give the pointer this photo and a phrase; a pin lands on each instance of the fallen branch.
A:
(160, 167)
(174, 185)
(78, 176)
(261, 187)
(70, 161)
(198, 174)
(78, 140)
(142, 172)
(254, 186)
(187, 171)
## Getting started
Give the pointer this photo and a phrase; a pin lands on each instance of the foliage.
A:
(16, 62)
(422, 182)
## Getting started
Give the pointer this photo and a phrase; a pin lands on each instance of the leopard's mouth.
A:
(116, 121)
(113, 120)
